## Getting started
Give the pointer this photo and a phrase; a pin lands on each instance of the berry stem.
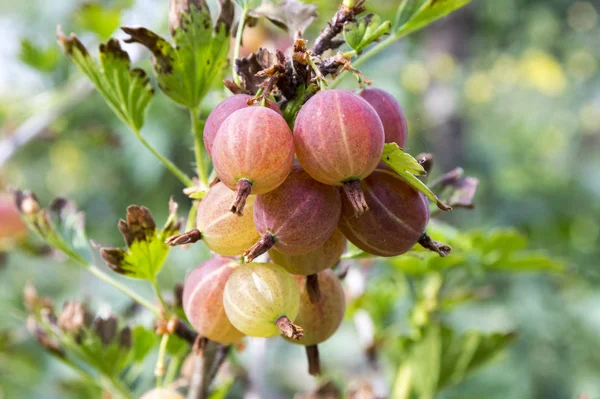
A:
(168, 164)
(243, 190)
(198, 146)
(163, 304)
(429, 243)
(356, 197)
(263, 245)
(107, 279)
(314, 361)
(189, 237)
(288, 328)
(312, 288)
(159, 369)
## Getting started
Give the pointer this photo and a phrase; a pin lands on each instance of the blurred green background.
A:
(509, 90)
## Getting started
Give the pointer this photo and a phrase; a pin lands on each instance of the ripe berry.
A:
(322, 318)
(391, 115)
(261, 300)
(397, 217)
(253, 152)
(203, 300)
(297, 217)
(162, 393)
(222, 111)
(339, 141)
(224, 232)
(312, 262)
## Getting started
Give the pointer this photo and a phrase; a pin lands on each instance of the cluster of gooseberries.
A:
(301, 211)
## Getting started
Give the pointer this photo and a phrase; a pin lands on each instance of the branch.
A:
(334, 27)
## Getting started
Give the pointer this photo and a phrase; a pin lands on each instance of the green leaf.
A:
(463, 354)
(127, 91)
(186, 71)
(177, 346)
(44, 60)
(426, 261)
(143, 341)
(408, 168)
(102, 21)
(405, 10)
(364, 31)
(429, 12)
(529, 261)
(146, 249)
(425, 359)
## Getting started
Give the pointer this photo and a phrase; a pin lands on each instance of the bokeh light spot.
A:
(542, 71)
(582, 16)
(415, 77)
(479, 88)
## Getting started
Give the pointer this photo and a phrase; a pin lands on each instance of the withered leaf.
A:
(290, 15)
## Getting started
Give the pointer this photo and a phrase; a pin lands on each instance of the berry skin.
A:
(253, 153)
(324, 257)
(162, 393)
(222, 231)
(222, 111)
(261, 300)
(339, 140)
(203, 300)
(297, 217)
(391, 115)
(320, 319)
(396, 220)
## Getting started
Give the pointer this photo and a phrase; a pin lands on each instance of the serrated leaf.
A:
(290, 15)
(127, 91)
(146, 249)
(429, 12)
(44, 60)
(408, 168)
(61, 226)
(186, 71)
(359, 34)
(94, 17)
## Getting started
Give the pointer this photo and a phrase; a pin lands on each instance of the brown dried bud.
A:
(429, 243)
(125, 338)
(27, 202)
(30, 296)
(74, 316)
(105, 329)
(42, 337)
